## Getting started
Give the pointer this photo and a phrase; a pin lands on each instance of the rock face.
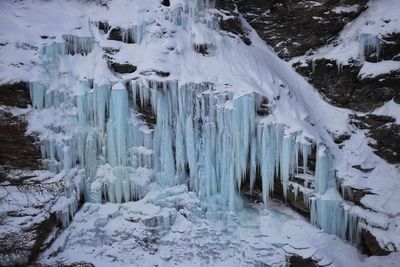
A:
(293, 27)
(26, 223)
(371, 244)
(385, 133)
(391, 47)
(343, 87)
(231, 22)
(17, 151)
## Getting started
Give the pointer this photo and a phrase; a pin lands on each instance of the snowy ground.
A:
(169, 228)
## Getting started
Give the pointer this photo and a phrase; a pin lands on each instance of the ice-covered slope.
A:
(196, 109)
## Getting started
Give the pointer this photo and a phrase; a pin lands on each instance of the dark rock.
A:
(44, 36)
(277, 192)
(122, 35)
(79, 264)
(19, 155)
(26, 46)
(298, 261)
(123, 67)
(387, 142)
(145, 111)
(396, 99)
(204, 49)
(371, 245)
(156, 72)
(385, 132)
(232, 23)
(15, 95)
(115, 34)
(342, 86)
(298, 203)
(341, 138)
(294, 27)
(110, 50)
(103, 26)
(361, 169)
(353, 194)
(262, 105)
(17, 150)
(165, 3)
(22, 248)
(390, 49)
(162, 73)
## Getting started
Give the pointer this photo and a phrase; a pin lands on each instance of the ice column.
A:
(368, 44)
(117, 126)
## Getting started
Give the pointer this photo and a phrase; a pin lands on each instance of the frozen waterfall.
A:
(129, 133)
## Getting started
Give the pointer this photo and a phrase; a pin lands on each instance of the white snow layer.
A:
(207, 133)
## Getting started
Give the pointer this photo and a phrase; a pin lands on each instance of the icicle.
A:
(102, 93)
(190, 150)
(268, 148)
(67, 158)
(133, 34)
(324, 172)
(78, 45)
(287, 161)
(91, 155)
(163, 140)
(37, 92)
(313, 64)
(305, 152)
(327, 213)
(117, 126)
(368, 44)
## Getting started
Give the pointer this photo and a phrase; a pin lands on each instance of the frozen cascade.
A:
(133, 34)
(369, 44)
(211, 140)
(217, 137)
(328, 211)
(117, 126)
(78, 45)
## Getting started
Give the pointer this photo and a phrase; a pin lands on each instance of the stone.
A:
(165, 3)
(297, 261)
(103, 26)
(371, 245)
(115, 34)
(297, 203)
(123, 68)
(384, 131)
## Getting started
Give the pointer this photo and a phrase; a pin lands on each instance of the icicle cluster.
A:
(210, 140)
(369, 44)
(327, 207)
(129, 135)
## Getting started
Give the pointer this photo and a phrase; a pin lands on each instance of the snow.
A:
(345, 9)
(100, 233)
(371, 70)
(180, 179)
(391, 109)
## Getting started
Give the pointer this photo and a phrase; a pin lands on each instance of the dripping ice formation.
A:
(201, 126)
